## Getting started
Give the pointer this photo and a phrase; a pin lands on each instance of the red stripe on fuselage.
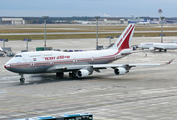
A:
(30, 64)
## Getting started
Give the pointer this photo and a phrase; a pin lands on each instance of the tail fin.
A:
(124, 40)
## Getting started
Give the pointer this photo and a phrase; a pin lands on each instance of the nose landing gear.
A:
(22, 79)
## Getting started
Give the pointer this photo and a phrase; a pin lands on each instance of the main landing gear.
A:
(59, 74)
(72, 74)
(165, 50)
(22, 79)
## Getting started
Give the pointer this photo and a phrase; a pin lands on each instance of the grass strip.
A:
(81, 36)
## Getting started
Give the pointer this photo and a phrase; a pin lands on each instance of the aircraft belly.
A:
(29, 70)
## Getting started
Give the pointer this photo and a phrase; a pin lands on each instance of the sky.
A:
(90, 8)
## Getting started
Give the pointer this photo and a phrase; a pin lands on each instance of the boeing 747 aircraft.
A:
(78, 64)
(159, 46)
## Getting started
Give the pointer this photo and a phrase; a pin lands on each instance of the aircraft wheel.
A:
(22, 80)
(72, 75)
(165, 50)
(60, 74)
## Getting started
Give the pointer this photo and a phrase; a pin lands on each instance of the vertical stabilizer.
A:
(124, 40)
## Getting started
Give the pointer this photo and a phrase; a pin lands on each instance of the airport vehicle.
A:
(1, 49)
(159, 46)
(78, 116)
(2, 54)
(78, 64)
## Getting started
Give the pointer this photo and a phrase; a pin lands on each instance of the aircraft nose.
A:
(6, 66)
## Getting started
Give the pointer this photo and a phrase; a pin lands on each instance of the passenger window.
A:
(18, 56)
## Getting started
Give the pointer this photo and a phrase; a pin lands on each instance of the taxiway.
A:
(147, 93)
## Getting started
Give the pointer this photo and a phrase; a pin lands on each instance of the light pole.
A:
(45, 17)
(161, 29)
(97, 17)
(27, 40)
(160, 20)
(110, 40)
(4, 40)
(110, 37)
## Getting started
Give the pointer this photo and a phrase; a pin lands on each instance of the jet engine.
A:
(151, 49)
(120, 71)
(82, 73)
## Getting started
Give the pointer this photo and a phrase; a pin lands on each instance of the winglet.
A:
(169, 62)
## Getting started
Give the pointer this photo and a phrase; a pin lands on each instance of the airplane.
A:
(154, 22)
(159, 46)
(78, 64)
(144, 22)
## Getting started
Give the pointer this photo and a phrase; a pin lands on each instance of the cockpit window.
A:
(18, 56)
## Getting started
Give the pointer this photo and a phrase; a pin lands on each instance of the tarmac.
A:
(145, 93)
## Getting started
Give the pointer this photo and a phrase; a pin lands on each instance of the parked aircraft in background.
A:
(78, 64)
(154, 22)
(144, 22)
(159, 46)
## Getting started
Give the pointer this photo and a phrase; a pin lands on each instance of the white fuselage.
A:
(144, 22)
(40, 62)
(154, 46)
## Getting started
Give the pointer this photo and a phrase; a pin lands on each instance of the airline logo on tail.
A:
(124, 42)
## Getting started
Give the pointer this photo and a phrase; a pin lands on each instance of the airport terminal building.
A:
(105, 21)
(12, 21)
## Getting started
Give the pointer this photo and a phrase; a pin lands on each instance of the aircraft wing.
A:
(130, 65)
(96, 67)
(159, 47)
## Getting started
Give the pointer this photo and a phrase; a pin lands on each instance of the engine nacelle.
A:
(82, 73)
(120, 71)
(151, 49)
